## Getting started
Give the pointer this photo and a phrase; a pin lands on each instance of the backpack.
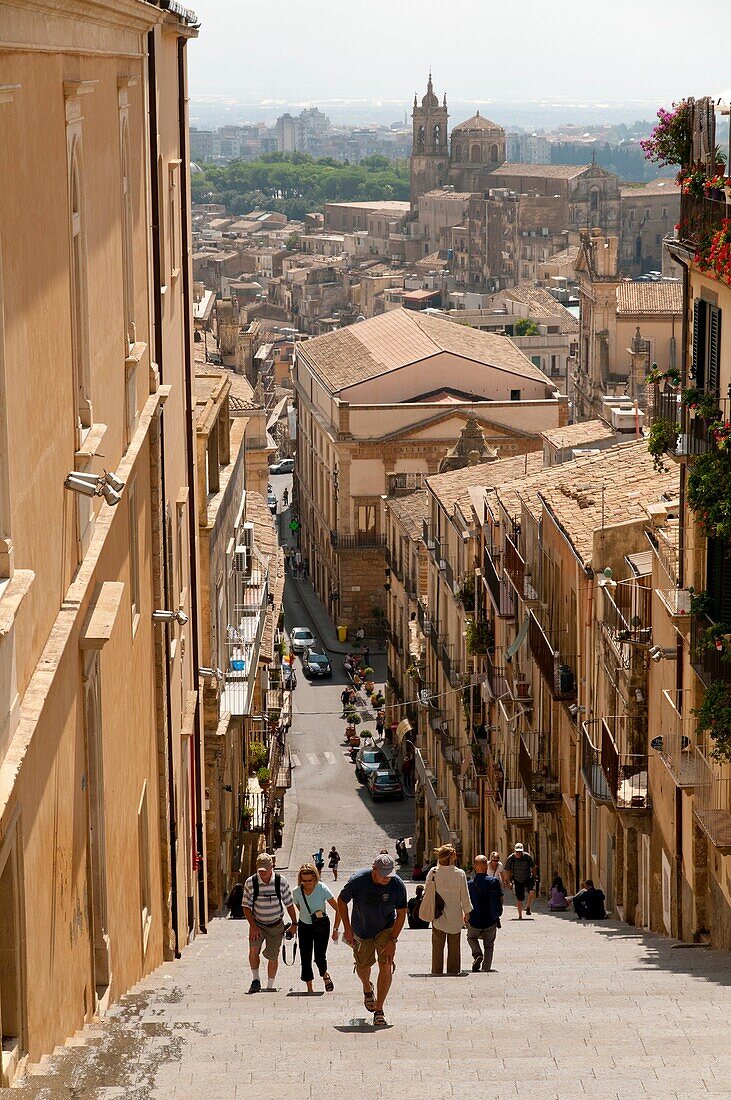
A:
(277, 890)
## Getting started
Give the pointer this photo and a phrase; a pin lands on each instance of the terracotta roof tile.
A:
(410, 511)
(650, 298)
(546, 171)
(574, 435)
(454, 487)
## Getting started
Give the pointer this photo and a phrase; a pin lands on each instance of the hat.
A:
(264, 862)
(384, 866)
(519, 848)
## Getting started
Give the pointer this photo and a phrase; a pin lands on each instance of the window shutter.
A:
(718, 580)
(699, 342)
(714, 347)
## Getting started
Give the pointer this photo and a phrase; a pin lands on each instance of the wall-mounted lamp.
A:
(170, 617)
(659, 653)
(104, 485)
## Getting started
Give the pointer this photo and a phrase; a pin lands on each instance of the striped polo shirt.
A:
(267, 908)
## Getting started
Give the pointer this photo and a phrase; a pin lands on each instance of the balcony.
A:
(678, 727)
(499, 594)
(708, 662)
(361, 540)
(422, 615)
(627, 619)
(700, 217)
(591, 763)
(393, 564)
(496, 682)
(621, 740)
(426, 534)
(428, 783)
(666, 407)
(699, 433)
(558, 675)
(515, 568)
(516, 802)
(248, 601)
(712, 801)
(535, 770)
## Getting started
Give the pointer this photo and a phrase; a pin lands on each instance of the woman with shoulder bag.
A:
(312, 898)
(446, 903)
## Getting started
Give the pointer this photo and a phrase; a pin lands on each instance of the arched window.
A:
(127, 252)
(420, 139)
(594, 200)
(476, 154)
(437, 137)
(494, 154)
(458, 152)
(79, 304)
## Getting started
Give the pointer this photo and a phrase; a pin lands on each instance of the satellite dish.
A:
(656, 743)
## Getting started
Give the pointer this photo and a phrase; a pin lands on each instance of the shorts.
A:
(521, 887)
(271, 939)
(367, 951)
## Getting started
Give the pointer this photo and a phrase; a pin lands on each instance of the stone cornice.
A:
(85, 27)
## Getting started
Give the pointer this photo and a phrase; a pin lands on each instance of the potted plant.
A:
(367, 674)
(264, 777)
(257, 755)
(714, 716)
(709, 493)
(663, 437)
(246, 819)
(703, 403)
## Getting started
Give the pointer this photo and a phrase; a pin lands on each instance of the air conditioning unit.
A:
(247, 536)
(442, 564)
(242, 560)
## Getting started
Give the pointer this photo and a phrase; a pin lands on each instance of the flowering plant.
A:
(709, 493)
(722, 434)
(703, 403)
(693, 182)
(717, 260)
(717, 183)
(669, 142)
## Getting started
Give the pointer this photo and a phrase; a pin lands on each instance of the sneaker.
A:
(255, 986)
(476, 964)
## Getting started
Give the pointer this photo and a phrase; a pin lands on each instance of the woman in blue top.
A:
(312, 898)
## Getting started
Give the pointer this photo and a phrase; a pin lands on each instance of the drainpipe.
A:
(197, 777)
(157, 308)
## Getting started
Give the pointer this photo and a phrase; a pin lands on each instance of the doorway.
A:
(96, 852)
(11, 966)
(645, 882)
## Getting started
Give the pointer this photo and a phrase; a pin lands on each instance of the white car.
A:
(301, 639)
(284, 466)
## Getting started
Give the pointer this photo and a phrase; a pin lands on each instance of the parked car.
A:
(301, 639)
(385, 783)
(316, 663)
(367, 761)
(289, 676)
(284, 466)
(272, 501)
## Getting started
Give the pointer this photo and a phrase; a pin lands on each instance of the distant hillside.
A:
(295, 184)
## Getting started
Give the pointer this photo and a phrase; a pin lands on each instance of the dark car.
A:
(385, 783)
(367, 761)
(315, 663)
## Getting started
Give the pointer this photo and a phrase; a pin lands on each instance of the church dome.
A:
(429, 101)
(477, 122)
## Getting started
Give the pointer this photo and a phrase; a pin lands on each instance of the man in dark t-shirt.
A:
(519, 873)
(379, 911)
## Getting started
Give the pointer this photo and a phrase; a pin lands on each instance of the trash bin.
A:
(342, 633)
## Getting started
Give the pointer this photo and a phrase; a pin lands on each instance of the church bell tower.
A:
(430, 152)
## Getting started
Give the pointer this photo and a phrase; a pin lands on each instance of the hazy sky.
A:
(481, 50)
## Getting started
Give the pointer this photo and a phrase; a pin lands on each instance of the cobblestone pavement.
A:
(571, 1010)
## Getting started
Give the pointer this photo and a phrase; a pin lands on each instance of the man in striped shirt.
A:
(266, 896)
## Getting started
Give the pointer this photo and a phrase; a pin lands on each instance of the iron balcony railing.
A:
(496, 681)
(409, 585)
(249, 596)
(393, 564)
(700, 218)
(501, 598)
(666, 407)
(557, 673)
(427, 535)
(591, 764)
(622, 744)
(712, 801)
(708, 662)
(536, 770)
(422, 614)
(678, 726)
(700, 433)
(627, 618)
(361, 540)
(516, 802)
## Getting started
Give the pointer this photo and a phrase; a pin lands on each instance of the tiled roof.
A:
(650, 297)
(477, 122)
(391, 206)
(574, 435)
(538, 302)
(241, 392)
(454, 487)
(667, 187)
(266, 542)
(410, 511)
(565, 256)
(400, 337)
(545, 171)
(452, 196)
(608, 487)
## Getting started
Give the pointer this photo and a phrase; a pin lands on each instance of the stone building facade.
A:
(102, 845)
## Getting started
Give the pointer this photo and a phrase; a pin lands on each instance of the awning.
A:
(519, 639)
(401, 730)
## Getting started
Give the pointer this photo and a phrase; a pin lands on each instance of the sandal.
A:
(379, 1020)
(369, 1000)
(328, 983)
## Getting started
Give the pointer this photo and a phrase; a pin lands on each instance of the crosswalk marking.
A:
(296, 762)
(312, 757)
(330, 757)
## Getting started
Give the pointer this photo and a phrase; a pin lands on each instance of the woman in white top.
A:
(450, 883)
(494, 866)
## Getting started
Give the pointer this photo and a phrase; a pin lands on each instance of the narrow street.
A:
(571, 1010)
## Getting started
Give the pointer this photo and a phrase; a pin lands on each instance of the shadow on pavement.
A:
(665, 954)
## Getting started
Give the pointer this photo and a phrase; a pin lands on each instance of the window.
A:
(79, 312)
(718, 580)
(180, 531)
(134, 554)
(367, 519)
(128, 285)
(161, 219)
(594, 200)
(706, 344)
(515, 394)
(174, 217)
(593, 829)
(143, 852)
